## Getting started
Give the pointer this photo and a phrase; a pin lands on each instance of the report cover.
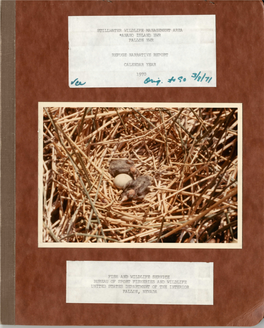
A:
(131, 151)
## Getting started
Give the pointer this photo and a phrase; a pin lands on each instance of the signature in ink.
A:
(149, 80)
(77, 82)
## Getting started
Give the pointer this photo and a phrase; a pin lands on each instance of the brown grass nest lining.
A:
(191, 154)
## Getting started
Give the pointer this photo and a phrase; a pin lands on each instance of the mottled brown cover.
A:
(42, 75)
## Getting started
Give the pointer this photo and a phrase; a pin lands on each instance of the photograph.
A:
(154, 175)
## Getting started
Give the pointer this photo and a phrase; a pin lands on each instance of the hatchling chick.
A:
(136, 189)
(126, 166)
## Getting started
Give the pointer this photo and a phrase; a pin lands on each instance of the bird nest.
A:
(190, 153)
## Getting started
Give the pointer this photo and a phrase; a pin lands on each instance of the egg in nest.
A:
(121, 180)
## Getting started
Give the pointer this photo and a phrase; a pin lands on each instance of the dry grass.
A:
(191, 153)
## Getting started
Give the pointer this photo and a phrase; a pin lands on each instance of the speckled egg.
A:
(121, 180)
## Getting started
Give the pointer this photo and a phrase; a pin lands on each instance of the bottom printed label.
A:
(139, 282)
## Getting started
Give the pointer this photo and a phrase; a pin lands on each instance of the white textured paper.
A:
(139, 282)
(142, 51)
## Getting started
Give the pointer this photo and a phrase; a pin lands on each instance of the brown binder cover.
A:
(37, 296)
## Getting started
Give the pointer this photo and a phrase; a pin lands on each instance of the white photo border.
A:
(42, 244)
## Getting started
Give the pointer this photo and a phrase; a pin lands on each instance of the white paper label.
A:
(139, 282)
(142, 51)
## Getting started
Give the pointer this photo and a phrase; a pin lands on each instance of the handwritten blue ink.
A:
(77, 83)
(197, 77)
(172, 79)
(149, 80)
(181, 79)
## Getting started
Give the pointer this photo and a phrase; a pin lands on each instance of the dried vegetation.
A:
(191, 153)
